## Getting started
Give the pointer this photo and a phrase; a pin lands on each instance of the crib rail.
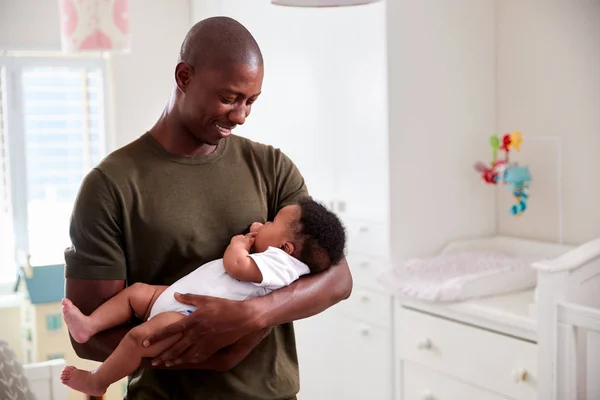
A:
(579, 316)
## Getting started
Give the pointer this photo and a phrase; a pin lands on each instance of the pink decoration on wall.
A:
(96, 41)
(69, 17)
(95, 25)
(121, 12)
(322, 3)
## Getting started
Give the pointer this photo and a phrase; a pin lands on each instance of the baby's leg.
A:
(126, 358)
(137, 298)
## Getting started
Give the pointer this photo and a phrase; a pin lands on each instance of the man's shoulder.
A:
(124, 159)
(264, 153)
(252, 145)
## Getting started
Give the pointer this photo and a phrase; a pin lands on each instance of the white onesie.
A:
(278, 270)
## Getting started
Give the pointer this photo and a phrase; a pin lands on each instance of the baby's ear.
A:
(288, 247)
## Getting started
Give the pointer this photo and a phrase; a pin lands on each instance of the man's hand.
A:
(217, 323)
(228, 357)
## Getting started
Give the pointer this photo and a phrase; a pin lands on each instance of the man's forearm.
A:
(304, 298)
(101, 345)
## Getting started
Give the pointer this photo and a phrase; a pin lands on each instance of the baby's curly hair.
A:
(321, 234)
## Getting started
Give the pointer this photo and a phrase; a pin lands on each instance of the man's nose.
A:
(239, 114)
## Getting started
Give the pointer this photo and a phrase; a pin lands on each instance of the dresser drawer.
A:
(485, 359)
(365, 362)
(420, 383)
(368, 238)
(366, 269)
(368, 306)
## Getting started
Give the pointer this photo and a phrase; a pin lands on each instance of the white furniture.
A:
(569, 324)
(346, 352)
(498, 347)
(44, 379)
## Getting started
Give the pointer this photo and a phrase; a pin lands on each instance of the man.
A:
(157, 208)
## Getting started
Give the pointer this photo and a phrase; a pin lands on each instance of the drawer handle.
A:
(365, 299)
(519, 375)
(424, 344)
(427, 395)
(363, 229)
(364, 264)
(365, 331)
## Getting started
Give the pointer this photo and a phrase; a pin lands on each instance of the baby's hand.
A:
(245, 240)
(255, 227)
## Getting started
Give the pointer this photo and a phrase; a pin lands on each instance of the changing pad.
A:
(460, 276)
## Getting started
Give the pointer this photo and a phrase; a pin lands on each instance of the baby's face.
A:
(275, 233)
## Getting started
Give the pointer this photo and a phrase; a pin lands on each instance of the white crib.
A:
(526, 345)
(568, 308)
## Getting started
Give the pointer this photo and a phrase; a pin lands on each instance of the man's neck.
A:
(176, 140)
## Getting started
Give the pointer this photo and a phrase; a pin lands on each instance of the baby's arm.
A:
(236, 260)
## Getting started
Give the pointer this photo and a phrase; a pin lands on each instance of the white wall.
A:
(142, 80)
(22, 28)
(441, 62)
(324, 88)
(549, 86)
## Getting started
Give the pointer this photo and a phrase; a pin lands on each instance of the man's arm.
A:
(304, 298)
(217, 323)
(87, 295)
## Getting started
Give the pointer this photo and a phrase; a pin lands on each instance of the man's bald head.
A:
(219, 42)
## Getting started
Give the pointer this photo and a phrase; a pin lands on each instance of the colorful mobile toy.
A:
(516, 177)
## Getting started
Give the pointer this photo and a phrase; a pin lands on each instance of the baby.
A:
(303, 238)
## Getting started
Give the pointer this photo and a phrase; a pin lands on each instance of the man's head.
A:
(218, 77)
(306, 231)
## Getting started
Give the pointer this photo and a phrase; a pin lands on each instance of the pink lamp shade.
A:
(321, 3)
(94, 25)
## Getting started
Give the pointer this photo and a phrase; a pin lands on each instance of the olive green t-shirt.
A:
(145, 215)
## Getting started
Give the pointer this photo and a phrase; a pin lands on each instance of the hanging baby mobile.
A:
(511, 174)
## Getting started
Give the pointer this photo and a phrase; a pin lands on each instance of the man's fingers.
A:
(167, 356)
(191, 355)
(186, 298)
(164, 333)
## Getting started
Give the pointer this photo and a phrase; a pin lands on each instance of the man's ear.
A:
(288, 247)
(183, 75)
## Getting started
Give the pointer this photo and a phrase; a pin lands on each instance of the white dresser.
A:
(480, 350)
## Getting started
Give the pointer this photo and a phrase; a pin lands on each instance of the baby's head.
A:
(306, 231)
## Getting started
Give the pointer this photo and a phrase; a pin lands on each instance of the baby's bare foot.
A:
(82, 381)
(78, 324)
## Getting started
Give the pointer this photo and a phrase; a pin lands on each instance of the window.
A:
(7, 244)
(53, 322)
(53, 132)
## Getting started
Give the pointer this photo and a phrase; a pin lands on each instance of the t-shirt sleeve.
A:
(96, 250)
(276, 269)
(289, 183)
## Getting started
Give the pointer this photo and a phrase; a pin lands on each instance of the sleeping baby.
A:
(303, 238)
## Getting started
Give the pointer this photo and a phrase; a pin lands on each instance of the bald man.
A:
(155, 209)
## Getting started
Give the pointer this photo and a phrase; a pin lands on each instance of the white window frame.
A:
(13, 65)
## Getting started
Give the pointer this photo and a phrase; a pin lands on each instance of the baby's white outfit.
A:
(278, 270)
